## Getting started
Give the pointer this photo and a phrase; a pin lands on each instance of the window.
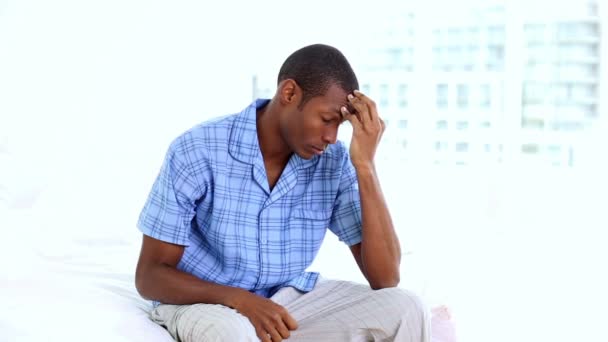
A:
(529, 148)
(484, 96)
(495, 57)
(402, 95)
(462, 93)
(383, 95)
(534, 92)
(442, 95)
(441, 146)
(462, 146)
(534, 32)
(462, 125)
(496, 35)
(532, 123)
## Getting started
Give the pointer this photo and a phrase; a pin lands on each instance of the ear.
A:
(289, 92)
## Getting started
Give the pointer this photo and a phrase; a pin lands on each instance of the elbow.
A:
(386, 282)
(141, 283)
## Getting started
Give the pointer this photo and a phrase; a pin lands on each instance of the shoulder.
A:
(336, 153)
(204, 135)
(203, 141)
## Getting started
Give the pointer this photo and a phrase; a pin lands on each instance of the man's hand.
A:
(271, 321)
(367, 129)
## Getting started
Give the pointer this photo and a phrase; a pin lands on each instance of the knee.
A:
(216, 324)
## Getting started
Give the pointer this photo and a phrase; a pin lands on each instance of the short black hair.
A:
(315, 68)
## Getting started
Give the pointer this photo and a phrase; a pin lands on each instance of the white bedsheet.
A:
(55, 289)
(73, 291)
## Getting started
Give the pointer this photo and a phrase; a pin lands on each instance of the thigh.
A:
(345, 311)
(204, 322)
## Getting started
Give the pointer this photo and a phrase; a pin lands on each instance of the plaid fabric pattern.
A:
(212, 196)
(335, 311)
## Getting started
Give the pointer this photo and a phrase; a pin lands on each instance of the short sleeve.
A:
(346, 216)
(171, 204)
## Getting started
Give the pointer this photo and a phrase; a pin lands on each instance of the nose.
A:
(330, 136)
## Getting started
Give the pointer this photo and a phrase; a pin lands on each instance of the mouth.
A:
(316, 150)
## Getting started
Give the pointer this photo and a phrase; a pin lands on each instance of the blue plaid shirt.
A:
(212, 196)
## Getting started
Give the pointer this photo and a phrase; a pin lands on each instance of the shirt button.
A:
(264, 241)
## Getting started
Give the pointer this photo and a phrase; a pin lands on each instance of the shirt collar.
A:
(244, 145)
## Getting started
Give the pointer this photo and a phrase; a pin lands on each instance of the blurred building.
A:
(487, 82)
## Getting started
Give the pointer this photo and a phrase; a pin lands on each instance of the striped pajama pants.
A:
(334, 310)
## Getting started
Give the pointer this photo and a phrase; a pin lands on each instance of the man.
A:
(241, 206)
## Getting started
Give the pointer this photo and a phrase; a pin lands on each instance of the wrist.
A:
(364, 166)
(234, 297)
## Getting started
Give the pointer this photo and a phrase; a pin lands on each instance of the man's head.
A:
(312, 87)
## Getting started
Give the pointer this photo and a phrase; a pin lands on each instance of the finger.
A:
(369, 103)
(263, 335)
(352, 118)
(279, 323)
(274, 334)
(361, 108)
(282, 329)
(346, 112)
(290, 322)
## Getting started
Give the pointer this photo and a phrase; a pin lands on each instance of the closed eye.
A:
(331, 118)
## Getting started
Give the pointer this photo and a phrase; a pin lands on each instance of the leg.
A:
(204, 322)
(346, 311)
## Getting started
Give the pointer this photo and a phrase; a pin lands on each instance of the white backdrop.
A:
(91, 94)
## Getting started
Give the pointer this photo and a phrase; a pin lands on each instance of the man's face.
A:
(308, 131)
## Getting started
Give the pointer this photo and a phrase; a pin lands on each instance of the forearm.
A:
(380, 249)
(168, 285)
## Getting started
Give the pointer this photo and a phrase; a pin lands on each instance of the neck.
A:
(273, 146)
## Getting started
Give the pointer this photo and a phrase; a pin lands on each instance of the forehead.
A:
(333, 99)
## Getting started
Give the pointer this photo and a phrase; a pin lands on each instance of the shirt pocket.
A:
(307, 228)
(311, 214)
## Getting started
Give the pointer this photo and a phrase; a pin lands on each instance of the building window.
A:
(442, 95)
(529, 148)
(484, 96)
(462, 125)
(535, 93)
(496, 35)
(402, 95)
(462, 93)
(462, 147)
(496, 55)
(442, 124)
(384, 95)
(441, 146)
(532, 123)
(554, 149)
